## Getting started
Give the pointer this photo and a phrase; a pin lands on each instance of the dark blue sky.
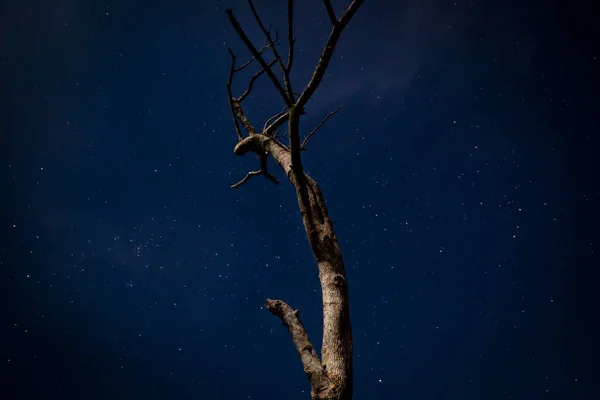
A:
(459, 173)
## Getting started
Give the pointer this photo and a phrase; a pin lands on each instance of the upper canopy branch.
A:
(313, 84)
(323, 62)
(255, 53)
(266, 47)
(231, 98)
(291, 40)
(267, 32)
(253, 78)
(295, 107)
(330, 12)
(235, 102)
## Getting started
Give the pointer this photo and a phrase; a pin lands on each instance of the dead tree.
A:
(331, 377)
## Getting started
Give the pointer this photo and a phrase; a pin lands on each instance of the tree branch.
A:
(231, 99)
(281, 119)
(252, 79)
(237, 27)
(334, 36)
(262, 171)
(331, 376)
(277, 123)
(313, 84)
(310, 360)
(235, 103)
(303, 145)
(330, 12)
(267, 33)
(266, 47)
(291, 41)
(267, 122)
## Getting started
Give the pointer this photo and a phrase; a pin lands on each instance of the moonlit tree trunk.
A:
(332, 376)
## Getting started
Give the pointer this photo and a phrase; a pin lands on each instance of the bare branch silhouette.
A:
(331, 377)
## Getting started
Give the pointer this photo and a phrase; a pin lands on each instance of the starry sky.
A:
(459, 173)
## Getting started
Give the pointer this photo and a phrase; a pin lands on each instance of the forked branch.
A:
(255, 53)
(252, 79)
(265, 48)
(267, 32)
(262, 171)
(235, 102)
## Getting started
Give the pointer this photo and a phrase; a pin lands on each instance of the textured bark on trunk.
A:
(337, 360)
(331, 377)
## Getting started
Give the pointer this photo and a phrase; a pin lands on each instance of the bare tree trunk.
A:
(331, 377)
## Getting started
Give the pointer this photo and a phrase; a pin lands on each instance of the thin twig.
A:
(277, 123)
(238, 28)
(303, 145)
(252, 79)
(291, 41)
(267, 122)
(231, 99)
(267, 33)
(246, 179)
(266, 47)
(262, 171)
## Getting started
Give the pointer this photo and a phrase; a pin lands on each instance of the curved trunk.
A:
(336, 363)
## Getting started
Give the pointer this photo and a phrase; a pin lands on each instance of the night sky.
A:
(459, 173)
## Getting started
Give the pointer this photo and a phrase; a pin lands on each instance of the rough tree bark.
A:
(331, 377)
